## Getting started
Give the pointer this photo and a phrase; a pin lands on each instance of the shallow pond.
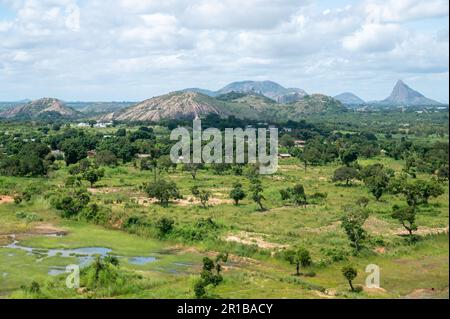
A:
(85, 255)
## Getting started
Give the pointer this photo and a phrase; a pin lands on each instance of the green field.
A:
(253, 239)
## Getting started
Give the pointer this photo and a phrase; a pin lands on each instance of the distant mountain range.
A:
(269, 89)
(402, 95)
(264, 100)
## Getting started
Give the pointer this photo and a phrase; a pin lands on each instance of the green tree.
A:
(352, 223)
(256, 189)
(93, 175)
(74, 150)
(350, 274)
(298, 257)
(348, 156)
(163, 191)
(192, 168)
(201, 194)
(237, 193)
(407, 217)
(164, 226)
(345, 174)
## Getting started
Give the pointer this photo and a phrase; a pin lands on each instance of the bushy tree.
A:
(163, 191)
(352, 224)
(350, 274)
(348, 156)
(294, 194)
(201, 194)
(93, 175)
(256, 189)
(164, 226)
(105, 158)
(237, 193)
(71, 203)
(345, 174)
(74, 150)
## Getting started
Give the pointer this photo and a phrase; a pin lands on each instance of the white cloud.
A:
(159, 46)
(374, 37)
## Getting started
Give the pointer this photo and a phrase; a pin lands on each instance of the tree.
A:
(74, 150)
(207, 277)
(93, 175)
(163, 191)
(345, 174)
(71, 203)
(350, 274)
(256, 189)
(416, 192)
(192, 168)
(165, 163)
(105, 158)
(377, 184)
(352, 224)
(443, 173)
(298, 257)
(349, 156)
(309, 155)
(237, 193)
(295, 194)
(407, 217)
(164, 226)
(201, 194)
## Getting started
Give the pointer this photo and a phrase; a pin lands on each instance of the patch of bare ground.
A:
(423, 231)
(39, 229)
(144, 201)
(104, 190)
(427, 293)
(5, 199)
(247, 238)
(377, 226)
(374, 291)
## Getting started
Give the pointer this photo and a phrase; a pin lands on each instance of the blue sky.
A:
(136, 49)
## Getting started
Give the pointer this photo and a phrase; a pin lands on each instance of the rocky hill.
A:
(176, 105)
(403, 95)
(48, 107)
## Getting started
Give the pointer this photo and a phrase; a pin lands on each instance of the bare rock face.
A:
(402, 94)
(39, 107)
(176, 105)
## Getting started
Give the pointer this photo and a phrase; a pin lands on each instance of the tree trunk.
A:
(351, 285)
(298, 269)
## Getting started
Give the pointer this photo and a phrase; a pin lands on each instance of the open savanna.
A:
(253, 239)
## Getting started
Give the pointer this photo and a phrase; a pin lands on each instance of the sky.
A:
(130, 50)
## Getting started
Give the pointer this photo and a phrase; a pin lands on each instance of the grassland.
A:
(253, 238)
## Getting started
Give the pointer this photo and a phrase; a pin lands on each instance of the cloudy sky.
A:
(135, 49)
